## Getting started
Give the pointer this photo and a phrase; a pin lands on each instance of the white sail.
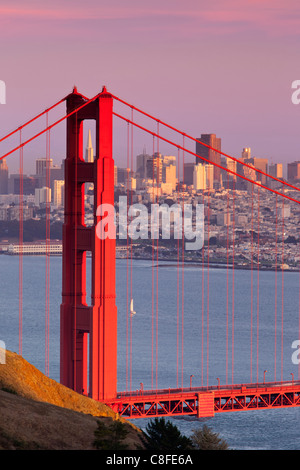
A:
(132, 312)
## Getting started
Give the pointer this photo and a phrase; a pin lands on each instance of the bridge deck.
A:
(206, 401)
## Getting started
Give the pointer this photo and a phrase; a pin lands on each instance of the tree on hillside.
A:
(164, 436)
(110, 437)
(206, 439)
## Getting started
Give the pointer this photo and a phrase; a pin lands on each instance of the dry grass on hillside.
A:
(38, 413)
(27, 381)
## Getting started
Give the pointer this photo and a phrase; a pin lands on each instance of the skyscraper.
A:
(169, 170)
(42, 195)
(276, 170)
(3, 177)
(141, 164)
(293, 171)
(189, 172)
(154, 167)
(212, 154)
(58, 196)
(41, 166)
(246, 153)
(260, 164)
(210, 176)
(199, 177)
(89, 151)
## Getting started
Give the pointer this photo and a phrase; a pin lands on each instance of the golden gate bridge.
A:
(88, 326)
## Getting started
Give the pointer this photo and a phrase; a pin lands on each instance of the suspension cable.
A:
(205, 145)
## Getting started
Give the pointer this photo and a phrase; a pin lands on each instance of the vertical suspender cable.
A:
(158, 164)
(182, 275)
(178, 255)
(47, 273)
(131, 195)
(282, 287)
(202, 306)
(227, 278)
(21, 248)
(299, 316)
(251, 319)
(207, 311)
(127, 268)
(258, 261)
(233, 261)
(275, 310)
(153, 274)
(152, 306)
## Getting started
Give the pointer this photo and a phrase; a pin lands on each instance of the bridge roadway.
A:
(204, 402)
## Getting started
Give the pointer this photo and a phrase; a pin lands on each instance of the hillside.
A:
(38, 413)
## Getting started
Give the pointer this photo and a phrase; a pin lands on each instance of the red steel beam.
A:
(206, 403)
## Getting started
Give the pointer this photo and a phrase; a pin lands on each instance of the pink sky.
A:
(224, 67)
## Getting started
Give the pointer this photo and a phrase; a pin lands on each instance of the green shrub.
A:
(110, 437)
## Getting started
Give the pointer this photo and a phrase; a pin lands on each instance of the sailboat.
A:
(132, 312)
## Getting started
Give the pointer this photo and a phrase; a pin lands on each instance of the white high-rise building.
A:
(89, 151)
(209, 176)
(42, 195)
(41, 165)
(58, 196)
(199, 177)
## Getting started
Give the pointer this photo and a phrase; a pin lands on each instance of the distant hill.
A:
(32, 230)
(38, 413)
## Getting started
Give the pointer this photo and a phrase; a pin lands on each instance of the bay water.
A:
(193, 326)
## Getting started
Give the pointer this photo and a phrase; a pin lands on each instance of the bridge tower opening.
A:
(88, 342)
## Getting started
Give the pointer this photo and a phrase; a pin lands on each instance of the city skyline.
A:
(269, 166)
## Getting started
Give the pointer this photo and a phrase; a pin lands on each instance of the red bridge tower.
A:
(88, 329)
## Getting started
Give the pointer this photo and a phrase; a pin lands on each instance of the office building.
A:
(41, 165)
(210, 176)
(42, 196)
(155, 168)
(3, 177)
(89, 151)
(229, 178)
(58, 192)
(261, 164)
(246, 153)
(189, 173)
(169, 179)
(210, 151)
(276, 170)
(123, 175)
(169, 172)
(56, 173)
(199, 177)
(141, 165)
(293, 171)
(30, 183)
